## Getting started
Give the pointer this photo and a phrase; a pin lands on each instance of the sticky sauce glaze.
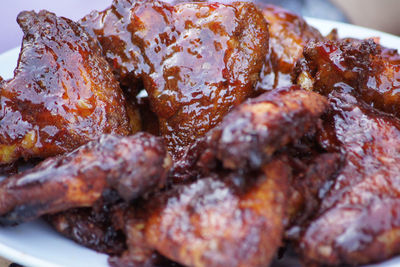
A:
(63, 93)
(196, 60)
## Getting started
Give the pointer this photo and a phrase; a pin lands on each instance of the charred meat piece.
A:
(221, 220)
(360, 67)
(249, 136)
(131, 165)
(289, 33)
(92, 227)
(196, 60)
(358, 221)
(313, 167)
(63, 93)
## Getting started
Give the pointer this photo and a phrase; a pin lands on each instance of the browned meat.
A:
(289, 33)
(131, 165)
(92, 227)
(362, 68)
(63, 93)
(358, 220)
(249, 136)
(221, 220)
(196, 60)
(313, 168)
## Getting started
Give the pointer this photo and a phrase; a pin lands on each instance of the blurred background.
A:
(377, 14)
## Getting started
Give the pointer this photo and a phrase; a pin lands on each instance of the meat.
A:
(220, 220)
(289, 33)
(227, 214)
(249, 136)
(63, 93)
(313, 167)
(132, 166)
(195, 60)
(357, 222)
(92, 227)
(360, 67)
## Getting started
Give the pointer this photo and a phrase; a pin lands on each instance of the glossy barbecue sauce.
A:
(196, 60)
(63, 93)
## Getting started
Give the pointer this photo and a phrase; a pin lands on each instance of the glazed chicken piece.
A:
(230, 214)
(357, 222)
(289, 33)
(249, 135)
(130, 165)
(63, 93)
(360, 67)
(196, 60)
(220, 220)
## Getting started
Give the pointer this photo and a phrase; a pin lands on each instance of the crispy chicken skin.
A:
(220, 220)
(63, 93)
(196, 60)
(360, 67)
(250, 134)
(357, 222)
(131, 165)
(289, 33)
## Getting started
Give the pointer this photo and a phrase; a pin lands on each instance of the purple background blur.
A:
(11, 35)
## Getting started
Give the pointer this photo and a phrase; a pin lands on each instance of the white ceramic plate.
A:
(36, 244)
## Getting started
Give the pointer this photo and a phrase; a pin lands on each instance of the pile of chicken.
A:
(203, 134)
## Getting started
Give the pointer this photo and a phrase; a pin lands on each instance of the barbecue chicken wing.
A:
(289, 33)
(360, 67)
(357, 222)
(131, 165)
(196, 60)
(63, 93)
(250, 134)
(220, 220)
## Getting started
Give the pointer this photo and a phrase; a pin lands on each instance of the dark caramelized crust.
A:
(196, 60)
(362, 68)
(313, 168)
(358, 220)
(63, 93)
(131, 165)
(289, 33)
(249, 136)
(92, 227)
(222, 220)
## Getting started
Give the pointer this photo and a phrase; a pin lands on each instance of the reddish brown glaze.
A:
(358, 221)
(221, 220)
(63, 93)
(362, 68)
(131, 165)
(196, 60)
(249, 136)
(289, 33)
